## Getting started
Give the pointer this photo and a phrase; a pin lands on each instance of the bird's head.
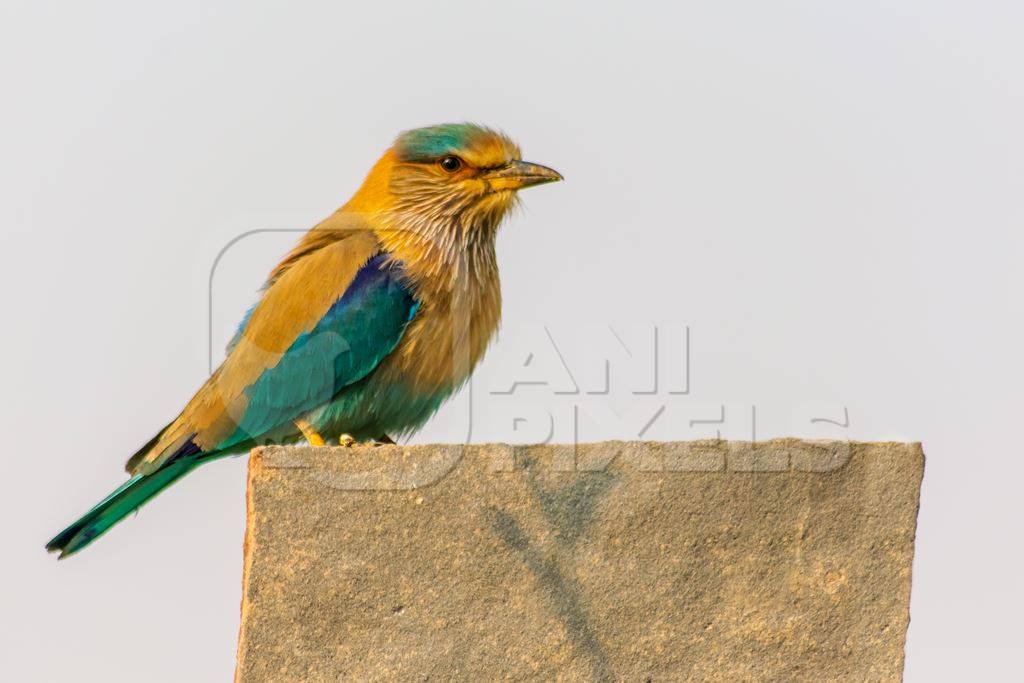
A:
(454, 177)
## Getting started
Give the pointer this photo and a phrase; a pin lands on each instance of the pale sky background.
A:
(828, 195)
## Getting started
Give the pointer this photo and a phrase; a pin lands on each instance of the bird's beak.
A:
(516, 175)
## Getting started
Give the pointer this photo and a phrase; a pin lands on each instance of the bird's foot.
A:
(346, 441)
(384, 440)
(309, 433)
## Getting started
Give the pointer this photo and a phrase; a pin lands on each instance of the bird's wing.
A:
(324, 321)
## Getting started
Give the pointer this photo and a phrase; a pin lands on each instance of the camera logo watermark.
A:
(581, 384)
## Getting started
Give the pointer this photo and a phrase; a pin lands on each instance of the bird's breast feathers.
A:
(456, 321)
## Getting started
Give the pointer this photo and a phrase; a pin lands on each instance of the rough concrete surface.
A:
(708, 561)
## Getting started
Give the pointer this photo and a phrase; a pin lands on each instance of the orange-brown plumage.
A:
(375, 317)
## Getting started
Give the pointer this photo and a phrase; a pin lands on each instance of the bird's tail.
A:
(118, 505)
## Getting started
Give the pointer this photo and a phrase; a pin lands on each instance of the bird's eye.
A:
(450, 164)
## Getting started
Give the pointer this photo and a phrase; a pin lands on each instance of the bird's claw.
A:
(312, 437)
(346, 441)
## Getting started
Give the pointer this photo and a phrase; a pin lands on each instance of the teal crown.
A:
(434, 142)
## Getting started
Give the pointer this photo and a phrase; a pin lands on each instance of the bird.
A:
(374, 318)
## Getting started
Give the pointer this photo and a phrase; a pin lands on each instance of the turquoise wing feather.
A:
(355, 334)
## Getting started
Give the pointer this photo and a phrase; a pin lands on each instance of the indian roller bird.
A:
(374, 318)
